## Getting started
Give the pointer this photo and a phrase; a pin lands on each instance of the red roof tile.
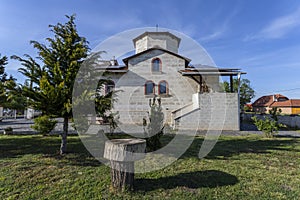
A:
(295, 102)
(267, 100)
(287, 103)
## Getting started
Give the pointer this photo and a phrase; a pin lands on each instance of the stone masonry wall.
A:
(132, 102)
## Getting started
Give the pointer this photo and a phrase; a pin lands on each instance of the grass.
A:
(239, 167)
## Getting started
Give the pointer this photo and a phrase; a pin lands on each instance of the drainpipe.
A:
(239, 109)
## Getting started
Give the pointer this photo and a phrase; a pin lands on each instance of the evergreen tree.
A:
(3, 62)
(50, 88)
(3, 79)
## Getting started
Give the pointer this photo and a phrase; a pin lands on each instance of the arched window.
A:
(149, 87)
(109, 87)
(156, 65)
(163, 87)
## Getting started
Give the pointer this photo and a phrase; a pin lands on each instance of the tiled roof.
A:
(287, 103)
(295, 102)
(267, 100)
(282, 101)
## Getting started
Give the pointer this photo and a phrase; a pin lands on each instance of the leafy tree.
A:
(246, 92)
(61, 59)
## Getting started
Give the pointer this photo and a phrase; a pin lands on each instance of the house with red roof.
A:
(287, 106)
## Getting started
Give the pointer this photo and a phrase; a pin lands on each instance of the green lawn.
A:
(239, 167)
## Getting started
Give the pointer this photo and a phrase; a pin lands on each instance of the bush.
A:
(44, 124)
(267, 125)
(8, 130)
(154, 130)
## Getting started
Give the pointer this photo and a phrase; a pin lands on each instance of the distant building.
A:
(287, 106)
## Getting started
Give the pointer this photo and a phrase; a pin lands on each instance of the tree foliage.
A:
(155, 127)
(10, 92)
(50, 88)
(44, 124)
(269, 125)
(3, 78)
(246, 91)
(14, 98)
(3, 62)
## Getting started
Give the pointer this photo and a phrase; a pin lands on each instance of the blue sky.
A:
(259, 36)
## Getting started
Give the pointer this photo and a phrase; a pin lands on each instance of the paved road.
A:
(22, 126)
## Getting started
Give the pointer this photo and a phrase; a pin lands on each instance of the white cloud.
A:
(278, 28)
(222, 28)
(213, 36)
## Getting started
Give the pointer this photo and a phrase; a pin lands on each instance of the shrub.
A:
(8, 130)
(44, 124)
(274, 112)
(267, 125)
(154, 130)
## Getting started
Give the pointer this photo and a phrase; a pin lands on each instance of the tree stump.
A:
(122, 153)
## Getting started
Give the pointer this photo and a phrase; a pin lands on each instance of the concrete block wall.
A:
(218, 111)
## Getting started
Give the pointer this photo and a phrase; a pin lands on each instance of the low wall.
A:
(289, 120)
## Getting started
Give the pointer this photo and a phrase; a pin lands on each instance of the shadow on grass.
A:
(230, 146)
(192, 180)
(15, 146)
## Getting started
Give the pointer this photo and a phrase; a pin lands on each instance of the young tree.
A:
(54, 81)
(246, 92)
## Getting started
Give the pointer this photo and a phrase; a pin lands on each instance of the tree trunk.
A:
(63, 146)
(122, 153)
(122, 175)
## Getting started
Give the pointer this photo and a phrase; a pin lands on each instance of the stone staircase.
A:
(185, 110)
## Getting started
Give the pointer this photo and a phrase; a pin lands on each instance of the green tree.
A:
(246, 91)
(3, 79)
(88, 97)
(15, 100)
(9, 89)
(155, 127)
(61, 59)
(3, 62)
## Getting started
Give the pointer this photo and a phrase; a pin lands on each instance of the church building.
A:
(190, 96)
